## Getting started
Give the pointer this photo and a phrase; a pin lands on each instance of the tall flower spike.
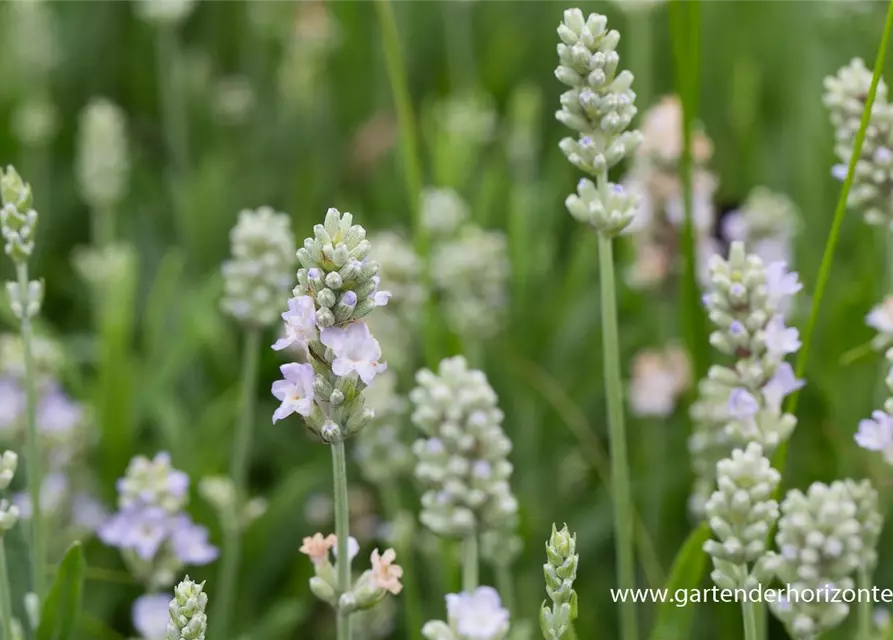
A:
(259, 274)
(741, 513)
(463, 461)
(9, 513)
(103, 162)
(18, 221)
(820, 543)
(560, 572)
(599, 106)
(871, 522)
(743, 403)
(187, 609)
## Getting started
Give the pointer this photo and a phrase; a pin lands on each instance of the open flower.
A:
(781, 384)
(150, 615)
(781, 283)
(781, 340)
(881, 319)
(742, 404)
(479, 615)
(300, 324)
(875, 434)
(295, 391)
(385, 574)
(355, 349)
(317, 547)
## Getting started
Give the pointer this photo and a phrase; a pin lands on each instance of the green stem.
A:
(238, 471)
(833, 235)
(410, 596)
(622, 493)
(103, 226)
(342, 531)
(865, 613)
(33, 466)
(470, 579)
(642, 55)
(5, 595)
(749, 614)
(506, 586)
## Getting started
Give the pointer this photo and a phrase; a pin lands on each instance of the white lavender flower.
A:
(820, 543)
(871, 522)
(741, 513)
(880, 318)
(463, 460)
(259, 274)
(187, 612)
(155, 535)
(103, 162)
(560, 572)
(471, 616)
(18, 221)
(599, 106)
(743, 403)
(150, 616)
(845, 97)
(165, 12)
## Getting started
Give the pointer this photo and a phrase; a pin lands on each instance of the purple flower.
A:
(300, 324)
(875, 434)
(781, 340)
(355, 350)
(295, 391)
(781, 283)
(88, 512)
(57, 414)
(142, 529)
(190, 542)
(52, 496)
(150, 615)
(781, 384)
(12, 403)
(379, 298)
(742, 404)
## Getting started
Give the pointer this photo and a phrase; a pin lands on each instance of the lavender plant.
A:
(477, 615)
(599, 107)
(337, 288)
(556, 621)
(18, 222)
(8, 517)
(188, 620)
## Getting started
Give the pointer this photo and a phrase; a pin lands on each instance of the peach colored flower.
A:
(385, 574)
(318, 547)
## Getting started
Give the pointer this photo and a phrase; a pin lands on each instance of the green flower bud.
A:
(8, 463)
(187, 612)
(560, 572)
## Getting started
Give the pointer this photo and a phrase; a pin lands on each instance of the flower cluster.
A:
(9, 513)
(471, 616)
(380, 451)
(742, 403)
(156, 536)
(845, 96)
(659, 378)
(821, 541)
(560, 572)
(187, 612)
(880, 318)
(599, 106)
(103, 162)
(260, 272)
(463, 460)
(766, 223)
(876, 433)
(741, 513)
(337, 287)
(654, 178)
(368, 590)
(18, 224)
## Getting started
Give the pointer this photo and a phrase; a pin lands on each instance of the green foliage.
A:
(62, 608)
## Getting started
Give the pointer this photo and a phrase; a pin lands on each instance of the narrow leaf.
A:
(673, 621)
(59, 616)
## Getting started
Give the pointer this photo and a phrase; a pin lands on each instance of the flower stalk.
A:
(470, 578)
(342, 531)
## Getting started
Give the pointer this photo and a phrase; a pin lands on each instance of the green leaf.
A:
(62, 607)
(673, 622)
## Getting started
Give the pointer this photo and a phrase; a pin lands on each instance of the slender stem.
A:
(470, 579)
(103, 226)
(35, 476)
(749, 613)
(622, 493)
(342, 531)
(410, 596)
(834, 233)
(5, 594)
(238, 471)
(865, 613)
(506, 586)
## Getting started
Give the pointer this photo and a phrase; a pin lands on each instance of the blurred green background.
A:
(161, 364)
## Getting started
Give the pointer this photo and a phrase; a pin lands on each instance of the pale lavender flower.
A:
(52, 496)
(781, 283)
(781, 340)
(12, 403)
(353, 548)
(295, 391)
(150, 615)
(190, 542)
(88, 512)
(477, 615)
(781, 384)
(355, 349)
(380, 298)
(875, 434)
(742, 404)
(57, 414)
(141, 529)
(881, 317)
(300, 324)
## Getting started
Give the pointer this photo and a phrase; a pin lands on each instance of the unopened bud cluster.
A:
(741, 513)
(560, 571)
(463, 461)
(821, 544)
(743, 403)
(103, 162)
(9, 513)
(337, 287)
(259, 274)
(599, 107)
(471, 616)
(188, 620)
(845, 97)
(18, 223)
